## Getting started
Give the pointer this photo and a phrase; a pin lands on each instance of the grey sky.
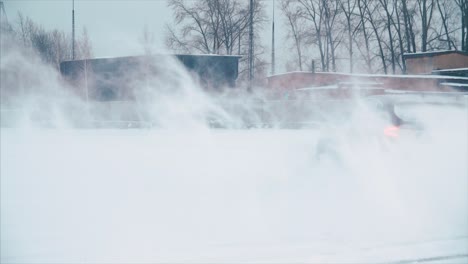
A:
(115, 26)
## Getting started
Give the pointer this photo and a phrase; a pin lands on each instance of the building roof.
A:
(432, 53)
(414, 76)
(156, 55)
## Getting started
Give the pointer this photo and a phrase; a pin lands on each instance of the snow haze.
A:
(184, 192)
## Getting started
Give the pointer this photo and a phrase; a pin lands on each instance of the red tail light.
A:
(391, 131)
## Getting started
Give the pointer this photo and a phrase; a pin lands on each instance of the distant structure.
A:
(437, 71)
(336, 81)
(431, 62)
(115, 79)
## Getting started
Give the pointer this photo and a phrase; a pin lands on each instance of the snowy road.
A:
(229, 196)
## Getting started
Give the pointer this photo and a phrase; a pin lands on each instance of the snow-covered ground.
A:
(185, 193)
(133, 196)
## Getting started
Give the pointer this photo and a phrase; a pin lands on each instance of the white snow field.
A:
(225, 196)
(184, 193)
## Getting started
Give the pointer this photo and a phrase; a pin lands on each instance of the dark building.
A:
(111, 79)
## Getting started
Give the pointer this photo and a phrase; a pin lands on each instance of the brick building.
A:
(426, 71)
(427, 62)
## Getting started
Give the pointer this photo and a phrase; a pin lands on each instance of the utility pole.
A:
(273, 42)
(73, 29)
(251, 46)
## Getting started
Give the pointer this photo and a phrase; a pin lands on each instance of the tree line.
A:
(339, 35)
(53, 46)
(218, 27)
(371, 35)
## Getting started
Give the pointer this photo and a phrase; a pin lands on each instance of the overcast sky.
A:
(115, 26)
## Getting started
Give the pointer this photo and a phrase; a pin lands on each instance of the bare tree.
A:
(295, 21)
(463, 7)
(370, 10)
(426, 8)
(85, 49)
(332, 10)
(442, 7)
(147, 41)
(314, 13)
(362, 5)
(5, 26)
(211, 26)
(316, 22)
(348, 8)
(52, 46)
(389, 22)
(397, 26)
(215, 27)
(25, 27)
(381, 30)
(195, 33)
(43, 43)
(408, 17)
(59, 44)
